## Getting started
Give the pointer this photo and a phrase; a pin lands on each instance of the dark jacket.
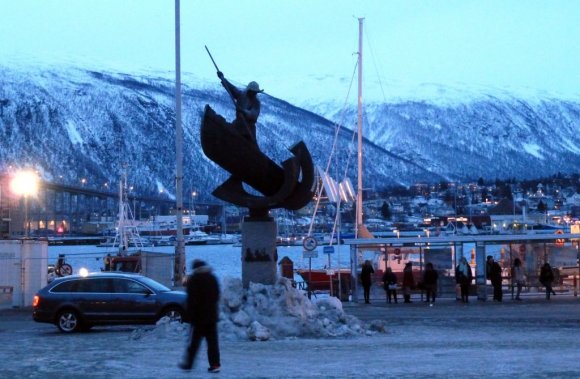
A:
(494, 272)
(546, 275)
(408, 279)
(366, 274)
(430, 278)
(389, 278)
(203, 296)
(461, 278)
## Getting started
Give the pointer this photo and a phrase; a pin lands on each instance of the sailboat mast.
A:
(359, 198)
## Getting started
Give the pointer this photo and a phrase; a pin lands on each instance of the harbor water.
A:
(225, 259)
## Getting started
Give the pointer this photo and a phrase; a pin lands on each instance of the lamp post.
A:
(193, 195)
(25, 184)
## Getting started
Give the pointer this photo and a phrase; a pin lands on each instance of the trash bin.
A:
(287, 268)
(342, 292)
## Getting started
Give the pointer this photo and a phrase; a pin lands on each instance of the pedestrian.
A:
(366, 277)
(518, 277)
(390, 284)
(463, 277)
(202, 308)
(430, 278)
(408, 281)
(107, 262)
(247, 107)
(547, 278)
(493, 270)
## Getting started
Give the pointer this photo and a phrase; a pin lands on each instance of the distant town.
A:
(482, 206)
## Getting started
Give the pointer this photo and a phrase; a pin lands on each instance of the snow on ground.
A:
(532, 338)
(280, 311)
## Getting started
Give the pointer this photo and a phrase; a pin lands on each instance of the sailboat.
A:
(127, 244)
(329, 279)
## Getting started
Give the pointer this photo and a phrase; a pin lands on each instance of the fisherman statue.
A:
(247, 107)
(233, 146)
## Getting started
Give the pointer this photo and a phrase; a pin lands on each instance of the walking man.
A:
(202, 307)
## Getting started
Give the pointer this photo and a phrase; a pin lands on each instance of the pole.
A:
(26, 222)
(359, 124)
(179, 266)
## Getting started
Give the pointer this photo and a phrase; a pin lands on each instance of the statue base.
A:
(259, 254)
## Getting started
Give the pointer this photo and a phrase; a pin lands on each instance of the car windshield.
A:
(155, 285)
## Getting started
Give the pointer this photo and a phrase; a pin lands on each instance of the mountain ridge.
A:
(76, 123)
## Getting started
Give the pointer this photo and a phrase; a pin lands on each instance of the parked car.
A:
(76, 303)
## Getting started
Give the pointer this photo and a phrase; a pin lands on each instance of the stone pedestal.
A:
(259, 254)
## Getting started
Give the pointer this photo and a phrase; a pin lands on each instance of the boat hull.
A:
(321, 280)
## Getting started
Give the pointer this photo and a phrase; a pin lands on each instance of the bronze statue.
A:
(247, 107)
(233, 147)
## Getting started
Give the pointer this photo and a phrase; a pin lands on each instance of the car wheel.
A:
(173, 313)
(68, 321)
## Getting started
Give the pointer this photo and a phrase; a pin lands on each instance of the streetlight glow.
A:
(24, 183)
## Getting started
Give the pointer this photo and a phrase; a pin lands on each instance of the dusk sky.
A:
(284, 45)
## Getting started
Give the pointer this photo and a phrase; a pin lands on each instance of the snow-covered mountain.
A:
(75, 123)
(466, 134)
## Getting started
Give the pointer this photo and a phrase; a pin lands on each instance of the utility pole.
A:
(179, 265)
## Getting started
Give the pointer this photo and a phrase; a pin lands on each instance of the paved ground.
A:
(533, 338)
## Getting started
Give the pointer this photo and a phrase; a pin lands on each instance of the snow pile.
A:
(164, 328)
(281, 311)
(264, 312)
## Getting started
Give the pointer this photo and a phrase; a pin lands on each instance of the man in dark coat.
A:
(430, 278)
(247, 107)
(494, 275)
(202, 308)
(408, 281)
(366, 277)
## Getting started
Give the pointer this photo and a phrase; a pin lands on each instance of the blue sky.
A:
(285, 45)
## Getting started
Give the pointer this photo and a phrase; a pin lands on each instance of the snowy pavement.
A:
(533, 338)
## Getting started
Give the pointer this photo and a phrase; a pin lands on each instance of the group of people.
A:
(463, 278)
(390, 283)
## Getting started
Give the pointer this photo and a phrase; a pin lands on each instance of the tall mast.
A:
(359, 197)
(179, 264)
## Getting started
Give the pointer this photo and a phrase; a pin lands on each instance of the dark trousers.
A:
(391, 294)
(199, 332)
(464, 292)
(367, 292)
(519, 286)
(497, 292)
(430, 295)
(549, 290)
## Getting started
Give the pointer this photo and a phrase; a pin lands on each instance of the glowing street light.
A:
(193, 195)
(25, 183)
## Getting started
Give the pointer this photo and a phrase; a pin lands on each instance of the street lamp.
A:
(193, 195)
(25, 183)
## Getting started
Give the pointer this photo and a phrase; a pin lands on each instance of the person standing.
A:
(247, 107)
(493, 270)
(390, 284)
(547, 278)
(366, 277)
(463, 277)
(519, 277)
(408, 281)
(430, 278)
(202, 307)
(107, 262)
